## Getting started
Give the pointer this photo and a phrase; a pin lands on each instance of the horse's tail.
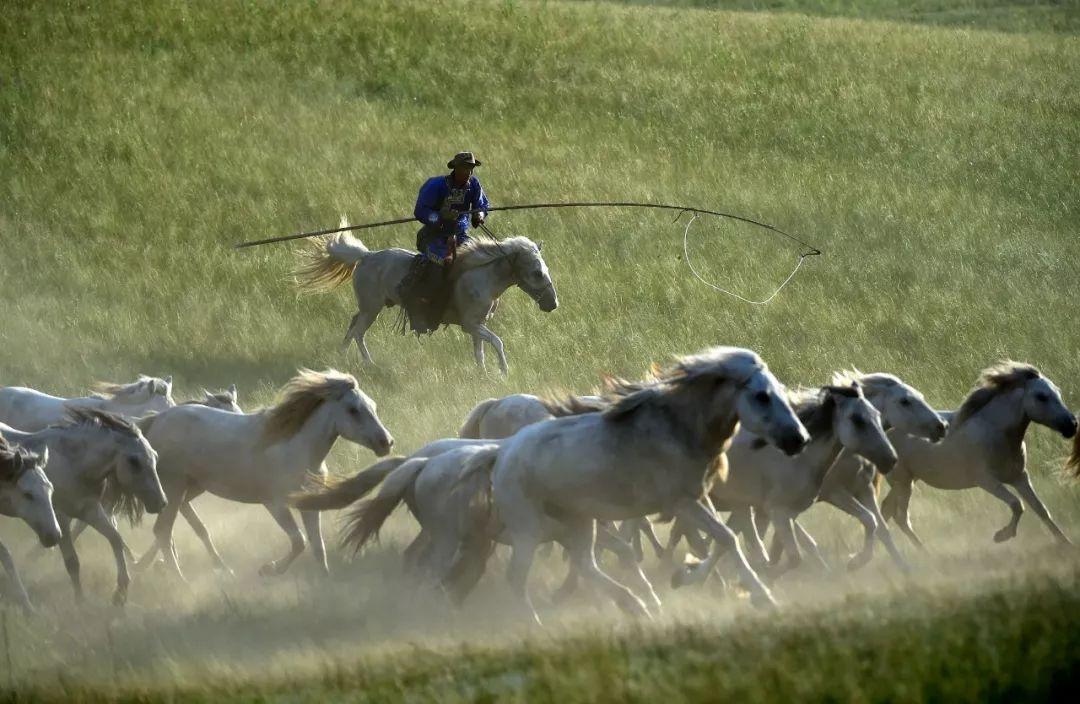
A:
(471, 427)
(328, 261)
(1073, 463)
(483, 460)
(339, 493)
(367, 518)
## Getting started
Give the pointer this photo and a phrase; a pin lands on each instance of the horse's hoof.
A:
(270, 569)
(680, 577)
(857, 562)
(1004, 535)
(119, 599)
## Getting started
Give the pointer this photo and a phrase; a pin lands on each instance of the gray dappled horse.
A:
(482, 271)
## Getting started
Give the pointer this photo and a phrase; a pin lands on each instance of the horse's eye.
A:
(761, 397)
(29, 495)
(859, 422)
(1042, 397)
(905, 402)
(354, 412)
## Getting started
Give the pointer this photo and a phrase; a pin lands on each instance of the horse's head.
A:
(902, 407)
(532, 276)
(136, 466)
(1043, 404)
(223, 401)
(857, 424)
(355, 419)
(25, 491)
(763, 409)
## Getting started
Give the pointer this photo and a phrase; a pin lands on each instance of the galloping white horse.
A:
(482, 272)
(31, 411)
(850, 484)
(26, 493)
(654, 450)
(83, 454)
(984, 447)
(260, 457)
(837, 418)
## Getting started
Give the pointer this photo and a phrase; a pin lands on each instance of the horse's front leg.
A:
(97, 519)
(492, 339)
(1027, 493)
(71, 559)
(13, 575)
(998, 491)
(284, 518)
(478, 350)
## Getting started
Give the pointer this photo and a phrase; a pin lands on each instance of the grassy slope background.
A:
(935, 165)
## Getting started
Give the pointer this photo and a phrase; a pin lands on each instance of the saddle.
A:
(425, 293)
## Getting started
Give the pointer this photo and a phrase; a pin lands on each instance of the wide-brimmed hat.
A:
(462, 159)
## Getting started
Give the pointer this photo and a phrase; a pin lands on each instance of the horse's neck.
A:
(315, 438)
(88, 451)
(878, 399)
(496, 276)
(821, 454)
(92, 402)
(1005, 415)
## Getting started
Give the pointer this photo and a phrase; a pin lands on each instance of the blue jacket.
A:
(439, 191)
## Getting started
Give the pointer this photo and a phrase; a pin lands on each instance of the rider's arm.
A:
(431, 194)
(479, 200)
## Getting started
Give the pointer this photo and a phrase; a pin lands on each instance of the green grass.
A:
(929, 149)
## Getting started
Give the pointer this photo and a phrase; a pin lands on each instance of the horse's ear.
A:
(232, 391)
(168, 381)
(540, 246)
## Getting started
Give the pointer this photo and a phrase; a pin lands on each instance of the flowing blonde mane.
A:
(1000, 378)
(478, 252)
(301, 397)
(142, 388)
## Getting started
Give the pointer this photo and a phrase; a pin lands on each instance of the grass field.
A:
(929, 149)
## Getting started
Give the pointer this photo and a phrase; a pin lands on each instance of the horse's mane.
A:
(301, 397)
(1073, 462)
(815, 407)
(1000, 378)
(569, 405)
(144, 386)
(79, 416)
(668, 387)
(478, 252)
(872, 382)
(14, 460)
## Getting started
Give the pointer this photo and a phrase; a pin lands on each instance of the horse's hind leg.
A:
(13, 575)
(163, 534)
(478, 350)
(579, 539)
(313, 527)
(297, 543)
(1027, 493)
(358, 328)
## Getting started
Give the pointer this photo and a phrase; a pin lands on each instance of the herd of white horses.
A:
(713, 433)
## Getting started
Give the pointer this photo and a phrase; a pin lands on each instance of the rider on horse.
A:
(442, 206)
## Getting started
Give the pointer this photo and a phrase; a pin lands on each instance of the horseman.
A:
(442, 207)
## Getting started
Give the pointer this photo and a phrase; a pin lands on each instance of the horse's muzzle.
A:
(382, 446)
(49, 539)
(793, 443)
(1068, 428)
(156, 504)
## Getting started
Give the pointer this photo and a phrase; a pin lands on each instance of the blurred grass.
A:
(931, 156)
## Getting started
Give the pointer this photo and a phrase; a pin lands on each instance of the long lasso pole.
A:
(809, 251)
